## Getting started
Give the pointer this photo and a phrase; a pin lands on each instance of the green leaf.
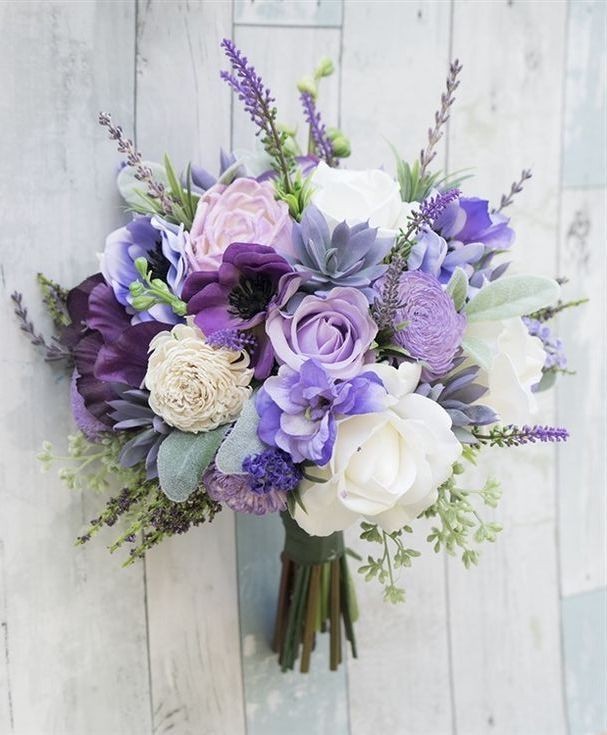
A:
(510, 297)
(479, 350)
(457, 288)
(183, 458)
(241, 442)
(131, 189)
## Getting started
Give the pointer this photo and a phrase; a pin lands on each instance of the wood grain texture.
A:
(183, 108)
(73, 625)
(400, 683)
(504, 615)
(290, 13)
(277, 702)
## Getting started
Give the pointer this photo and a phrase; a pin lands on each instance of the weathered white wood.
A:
(582, 472)
(73, 654)
(183, 109)
(277, 702)
(395, 58)
(504, 615)
(290, 13)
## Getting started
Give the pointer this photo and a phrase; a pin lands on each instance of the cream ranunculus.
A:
(386, 466)
(193, 386)
(358, 196)
(514, 367)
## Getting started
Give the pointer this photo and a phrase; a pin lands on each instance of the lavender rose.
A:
(244, 211)
(333, 328)
(434, 329)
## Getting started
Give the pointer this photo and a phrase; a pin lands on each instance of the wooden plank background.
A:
(180, 644)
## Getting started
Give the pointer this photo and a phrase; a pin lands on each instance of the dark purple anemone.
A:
(238, 295)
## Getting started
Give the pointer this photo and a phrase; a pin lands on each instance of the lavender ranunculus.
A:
(299, 410)
(237, 296)
(432, 329)
(349, 256)
(334, 328)
(162, 245)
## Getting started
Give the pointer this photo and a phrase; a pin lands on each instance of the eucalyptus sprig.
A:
(460, 526)
(395, 556)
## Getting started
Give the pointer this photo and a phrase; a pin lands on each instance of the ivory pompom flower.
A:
(194, 386)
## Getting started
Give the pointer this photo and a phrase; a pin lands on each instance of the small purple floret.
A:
(271, 471)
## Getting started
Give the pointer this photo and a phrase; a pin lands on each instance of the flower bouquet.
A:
(293, 337)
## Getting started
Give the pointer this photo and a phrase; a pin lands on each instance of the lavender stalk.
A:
(516, 436)
(318, 130)
(515, 188)
(54, 351)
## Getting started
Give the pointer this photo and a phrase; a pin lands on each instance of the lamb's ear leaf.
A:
(512, 296)
(457, 288)
(183, 458)
(241, 442)
(479, 350)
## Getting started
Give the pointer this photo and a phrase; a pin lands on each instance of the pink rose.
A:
(245, 211)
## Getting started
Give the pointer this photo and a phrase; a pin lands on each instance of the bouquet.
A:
(294, 337)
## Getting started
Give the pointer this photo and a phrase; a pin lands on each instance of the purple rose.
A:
(433, 328)
(238, 295)
(299, 410)
(333, 328)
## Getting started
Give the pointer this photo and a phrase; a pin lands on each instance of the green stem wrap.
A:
(316, 594)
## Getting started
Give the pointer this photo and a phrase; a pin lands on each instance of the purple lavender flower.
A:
(432, 329)
(553, 346)
(232, 339)
(299, 410)
(516, 436)
(318, 129)
(162, 245)
(433, 206)
(238, 295)
(271, 471)
(350, 256)
(237, 493)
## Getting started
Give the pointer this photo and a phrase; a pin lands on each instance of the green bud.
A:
(141, 265)
(143, 302)
(288, 130)
(339, 142)
(307, 84)
(136, 288)
(325, 68)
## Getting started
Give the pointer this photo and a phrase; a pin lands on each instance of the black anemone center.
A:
(251, 296)
(159, 265)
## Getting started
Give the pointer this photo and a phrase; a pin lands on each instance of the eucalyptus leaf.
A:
(511, 296)
(457, 288)
(241, 442)
(183, 458)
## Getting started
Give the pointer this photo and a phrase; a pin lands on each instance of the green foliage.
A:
(54, 298)
(145, 513)
(298, 196)
(511, 296)
(395, 555)
(241, 442)
(182, 459)
(460, 527)
(457, 288)
(415, 185)
(151, 291)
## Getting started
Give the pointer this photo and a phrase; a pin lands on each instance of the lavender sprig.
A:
(54, 351)
(430, 209)
(515, 436)
(549, 312)
(155, 189)
(515, 188)
(440, 118)
(385, 308)
(318, 130)
(232, 339)
(259, 104)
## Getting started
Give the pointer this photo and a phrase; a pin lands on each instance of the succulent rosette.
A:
(295, 337)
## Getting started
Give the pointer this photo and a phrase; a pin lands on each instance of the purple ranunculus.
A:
(334, 328)
(432, 328)
(238, 295)
(162, 245)
(299, 410)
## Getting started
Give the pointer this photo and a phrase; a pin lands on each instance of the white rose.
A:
(193, 386)
(358, 196)
(386, 466)
(515, 365)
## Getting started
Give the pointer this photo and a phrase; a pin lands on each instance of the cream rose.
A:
(386, 466)
(514, 367)
(358, 196)
(193, 386)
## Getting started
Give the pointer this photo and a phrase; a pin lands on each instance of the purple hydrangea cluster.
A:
(271, 471)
